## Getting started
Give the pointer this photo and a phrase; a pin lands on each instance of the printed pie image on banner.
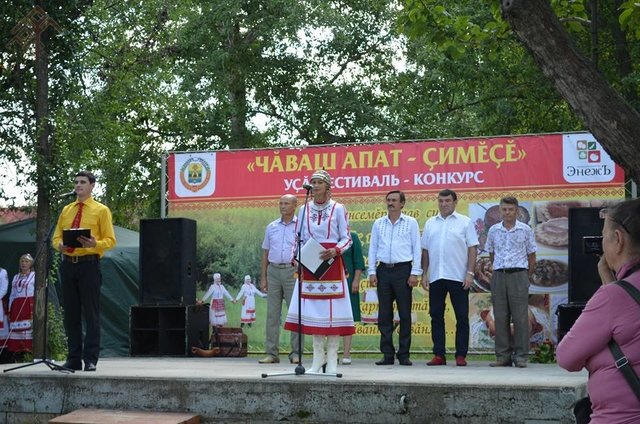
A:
(195, 174)
(584, 160)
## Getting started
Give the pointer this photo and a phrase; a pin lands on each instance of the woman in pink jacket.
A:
(610, 313)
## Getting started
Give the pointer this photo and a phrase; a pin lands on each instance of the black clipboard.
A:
(70, 236)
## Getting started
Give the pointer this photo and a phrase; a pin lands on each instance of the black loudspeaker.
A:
(168, 261)
(168, 330)
(583, 269)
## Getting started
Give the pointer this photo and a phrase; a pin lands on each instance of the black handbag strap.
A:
(622, 363)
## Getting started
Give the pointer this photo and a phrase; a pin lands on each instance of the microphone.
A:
(307, 186)
(66, 195)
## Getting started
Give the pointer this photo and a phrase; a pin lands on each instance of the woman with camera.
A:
(611, 313)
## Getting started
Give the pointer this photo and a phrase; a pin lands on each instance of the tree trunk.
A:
(613, 122)
(43, 214)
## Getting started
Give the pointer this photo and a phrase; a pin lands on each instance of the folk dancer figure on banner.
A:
(325, 306)
(217, 292)
(21, 307)
(248, 292)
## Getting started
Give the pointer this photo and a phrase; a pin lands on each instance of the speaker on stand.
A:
(167, 322)
(584, 280)
(168, 261)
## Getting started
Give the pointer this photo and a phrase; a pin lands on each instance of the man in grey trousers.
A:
(278, 278)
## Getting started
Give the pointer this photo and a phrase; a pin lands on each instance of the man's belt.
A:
(281, 266)
(394, 265)
(510, 270)
(77, 259)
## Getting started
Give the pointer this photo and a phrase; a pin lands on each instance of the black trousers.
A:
(393, 286)
(81, 284)
(438, 291)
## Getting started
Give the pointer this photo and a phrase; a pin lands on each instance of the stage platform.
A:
(232, 390)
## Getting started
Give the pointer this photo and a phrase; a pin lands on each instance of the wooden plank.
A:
(106, 416)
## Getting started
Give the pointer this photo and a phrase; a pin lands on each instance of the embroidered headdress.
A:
(323, 175)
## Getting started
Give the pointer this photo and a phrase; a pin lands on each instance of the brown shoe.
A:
(295, 360)
(500, 364)
(269, 360)
(521, 364)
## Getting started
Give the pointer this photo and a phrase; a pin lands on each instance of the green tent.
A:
(119, 286)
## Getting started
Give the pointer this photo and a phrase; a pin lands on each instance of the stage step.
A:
(106, 416)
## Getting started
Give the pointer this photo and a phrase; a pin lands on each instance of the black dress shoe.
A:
(385, 361)
(73, 365)
(405, 361)
(89, 366)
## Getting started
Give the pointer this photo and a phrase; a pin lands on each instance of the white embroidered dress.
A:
(328, 224)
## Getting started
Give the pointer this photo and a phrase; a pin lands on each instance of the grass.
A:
(362, 346)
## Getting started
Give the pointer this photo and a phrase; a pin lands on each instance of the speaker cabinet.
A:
(167, 330)
(583, 269)
(168, 261)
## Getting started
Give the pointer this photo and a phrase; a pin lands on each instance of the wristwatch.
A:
(470, 273)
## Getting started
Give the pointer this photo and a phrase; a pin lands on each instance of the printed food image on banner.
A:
(550, 275)
(234, 194)
(482, 321)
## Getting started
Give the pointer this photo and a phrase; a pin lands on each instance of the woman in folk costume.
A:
(325, 303)
(4, 307)
(21, 307)
(217, 292)
(248, 290)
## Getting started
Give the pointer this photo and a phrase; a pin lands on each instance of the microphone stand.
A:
(299, 370)
(44, 247)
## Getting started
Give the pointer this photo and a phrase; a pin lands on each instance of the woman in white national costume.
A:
(325, 304)
(248, 291)
(217, 292)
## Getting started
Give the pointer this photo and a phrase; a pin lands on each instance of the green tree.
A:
(555, 36)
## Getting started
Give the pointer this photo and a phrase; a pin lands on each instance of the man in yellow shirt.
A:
(80, 271)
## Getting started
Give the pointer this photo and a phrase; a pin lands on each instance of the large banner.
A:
(233, 195)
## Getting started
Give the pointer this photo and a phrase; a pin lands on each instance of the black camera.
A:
(592, 245)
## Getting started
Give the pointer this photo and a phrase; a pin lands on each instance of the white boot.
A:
(333, 342)
(318, 354)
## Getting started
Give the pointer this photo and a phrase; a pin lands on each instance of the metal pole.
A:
(163, 185)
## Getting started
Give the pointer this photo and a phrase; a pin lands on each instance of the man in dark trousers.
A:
(394, 267)
(80, 271)
(450, 247)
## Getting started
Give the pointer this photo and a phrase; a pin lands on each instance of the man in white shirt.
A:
(394, 267)
(449, 250)
(278, 279)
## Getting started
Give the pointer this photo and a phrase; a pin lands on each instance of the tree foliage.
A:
(130, 80)
(558, 36)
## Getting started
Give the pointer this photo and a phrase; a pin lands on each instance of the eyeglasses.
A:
(604, 213)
